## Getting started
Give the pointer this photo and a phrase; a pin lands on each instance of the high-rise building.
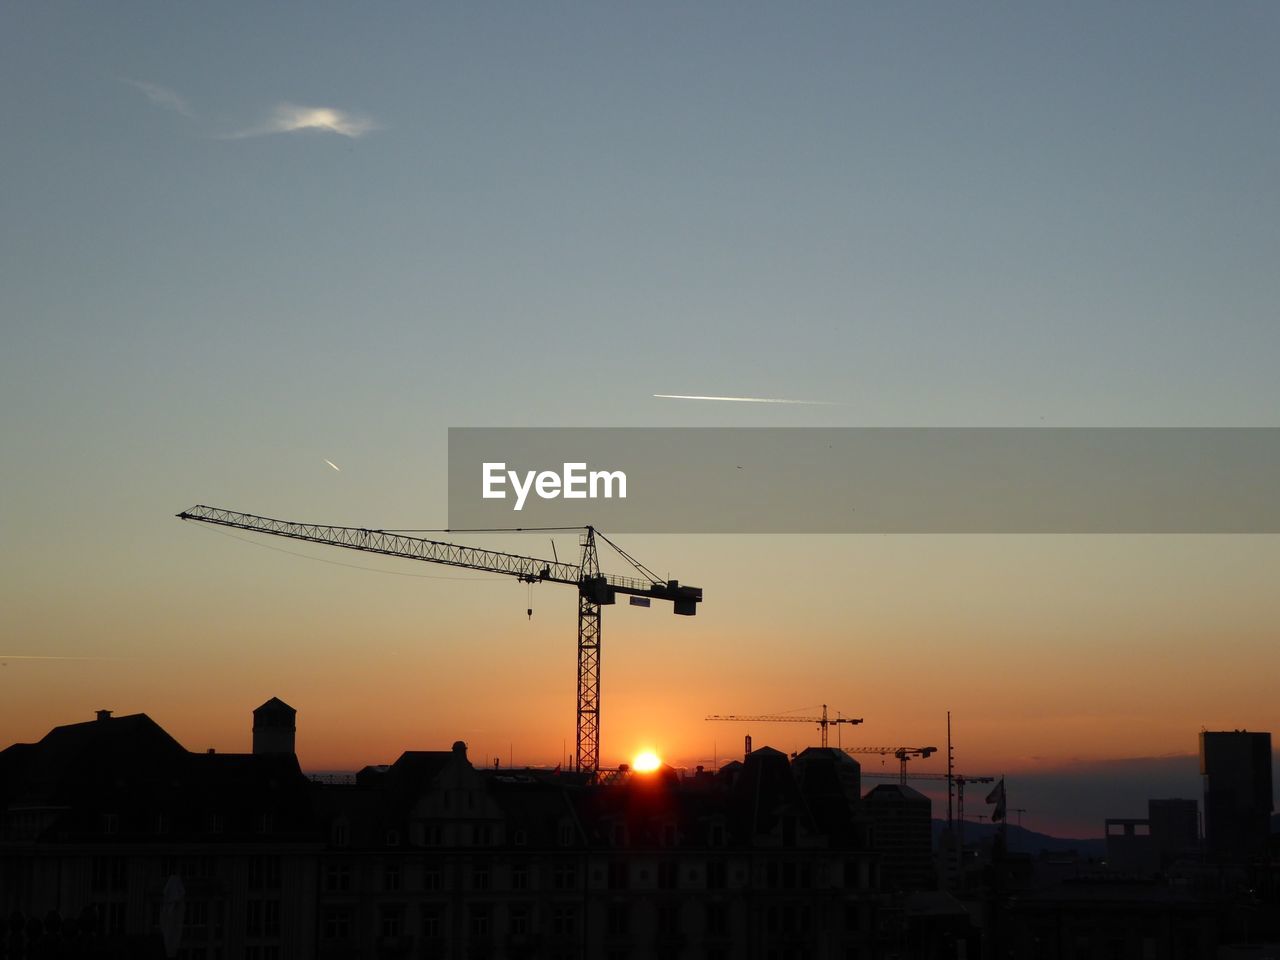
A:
(1236, 766)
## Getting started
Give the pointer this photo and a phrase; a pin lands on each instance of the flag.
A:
(996, 796)
(639, 601)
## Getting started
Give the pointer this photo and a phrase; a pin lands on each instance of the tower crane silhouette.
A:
(823, 721)
(902, 753)
(595, 590)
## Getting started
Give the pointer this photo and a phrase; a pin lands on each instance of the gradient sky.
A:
(238, 240)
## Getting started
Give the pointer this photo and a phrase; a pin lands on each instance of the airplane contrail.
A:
(23, 657)
(334, 465)
(807, 403)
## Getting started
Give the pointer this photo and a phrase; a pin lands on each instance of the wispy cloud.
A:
(291, 118)
(161, 96)
(808, 403)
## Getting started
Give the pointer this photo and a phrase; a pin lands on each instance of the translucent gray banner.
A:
(867, 480)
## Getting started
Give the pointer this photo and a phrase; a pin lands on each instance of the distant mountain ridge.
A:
(1021, 840)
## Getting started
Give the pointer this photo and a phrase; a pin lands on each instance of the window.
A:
(253, 918)
(431, 919)
(262, 918)
(391, 878)
(480, 918)
(519, 920)
(564, 921)
(340, 834)
(335, 923)
(666, 875)
(669, 835)
(851, 873)
(187, 867)
(482, 834)
(107, 874)
(852, 920)
(337, 878)
(717, 874)
(433, 836)
(195, 919)
(391, 920)
(480, 878)
(566, 834)
(789, 875)
(565, 876)
(393, 838)
(619, 919)
(264, 873)
(668, 919)
(271, 918)
(717, 920)
(520, 877)
(111, 918)
(431, 878)
(618, 875)
(521, 838)
(111, 823)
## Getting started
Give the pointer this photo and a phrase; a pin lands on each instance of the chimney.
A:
(748, 753)
(103, 715)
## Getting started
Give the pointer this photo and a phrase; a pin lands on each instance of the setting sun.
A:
(646, 762)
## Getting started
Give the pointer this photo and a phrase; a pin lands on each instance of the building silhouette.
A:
(1149, 846)
(113, 835)
(274, 727)
(425, 857)
(1236, 766)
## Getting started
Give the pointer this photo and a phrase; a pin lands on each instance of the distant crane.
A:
(595, 589)
(902, 753)
(823, 721)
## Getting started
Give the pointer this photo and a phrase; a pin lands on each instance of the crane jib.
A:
(598, 588)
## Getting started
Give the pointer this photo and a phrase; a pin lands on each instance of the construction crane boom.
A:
(822, 722)
(594, 589)
(901, 753)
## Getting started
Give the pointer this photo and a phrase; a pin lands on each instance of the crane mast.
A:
(594, 589)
